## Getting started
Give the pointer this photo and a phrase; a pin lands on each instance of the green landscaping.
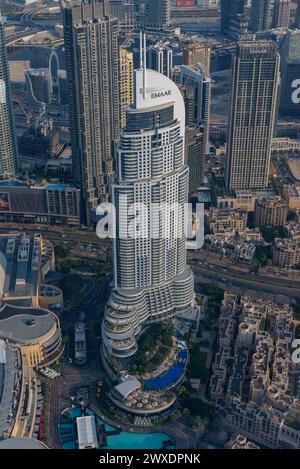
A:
(270, 234)
(263, 254)
(154, 347)
(215, 297)
(197, 366)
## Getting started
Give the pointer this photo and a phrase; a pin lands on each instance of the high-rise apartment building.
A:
(153, 14)
(124, 11)
(161, 59)
(38, 87)
(229, 9)
(261, 15)
(92, 65)
(196, 88)
(151, 279)
(195, 155)
(281, 13)
(297, 15)
(126, 82)
(254, 90)
(290, 73)
(197, 53)
(8, 144)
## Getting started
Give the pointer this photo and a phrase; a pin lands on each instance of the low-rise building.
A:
(286, 253)
(51, 204)
(270, 212)
(24, 263)
(241, 442)
(220, 221)
(291, 195)
(251, 372)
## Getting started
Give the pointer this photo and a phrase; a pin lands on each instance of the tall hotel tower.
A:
(151, 279)
(8, 144)
(254, 92)
(92, 64)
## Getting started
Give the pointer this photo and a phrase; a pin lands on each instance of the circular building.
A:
(36, 331)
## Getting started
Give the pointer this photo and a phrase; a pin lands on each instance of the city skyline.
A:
(150, 229)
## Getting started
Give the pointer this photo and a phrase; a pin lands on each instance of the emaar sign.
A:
(161, 94)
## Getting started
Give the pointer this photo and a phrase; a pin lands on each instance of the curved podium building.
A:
(151, 279)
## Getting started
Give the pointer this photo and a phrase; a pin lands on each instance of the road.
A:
(258, 284)
(31, 27)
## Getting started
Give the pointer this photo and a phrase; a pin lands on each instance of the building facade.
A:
(229, 9)
(197, 53)
(195, 154)
(281, 13)
(126, 82)
(53, 204)
(151, 279)
(153, 14)
(8, 144)
(196, 88)
(92, 65)
(270, 212)
(254, 91)
(290, 72)
(261, 15)
(161, 59)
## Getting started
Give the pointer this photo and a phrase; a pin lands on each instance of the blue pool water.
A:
(171, 377)
(128, 440)
(124, 440)
(15, 183)
(57, 186)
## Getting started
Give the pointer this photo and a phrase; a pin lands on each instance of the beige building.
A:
(243, 200)
(221, 221)
(241, 442)
(270, 212)
(126, 82)
(195, 53)
(291, 195)
(30, 338)
(286, 253)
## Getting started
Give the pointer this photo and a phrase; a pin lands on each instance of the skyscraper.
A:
(153, 14)
(126, 82)
(161, 59)
(281, 13)
(92, 65)
(261, 15)
(297, 15)
(230, 8)
(151, 279)
(254, 89)
(196, 89)
(290, 73)
(195, 154)
(8, 144)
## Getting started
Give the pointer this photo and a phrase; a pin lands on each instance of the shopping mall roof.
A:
(24, 325)
(21, 443)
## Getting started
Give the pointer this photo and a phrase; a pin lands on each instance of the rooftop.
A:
(86, 429)
(23, 325)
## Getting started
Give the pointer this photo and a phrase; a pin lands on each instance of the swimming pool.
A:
(123, 440)
(171, 377)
